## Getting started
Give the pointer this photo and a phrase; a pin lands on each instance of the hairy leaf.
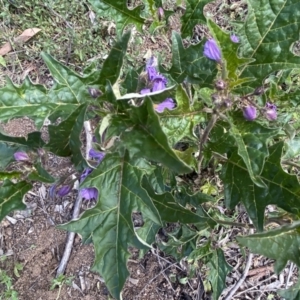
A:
(11, 196)
(251, 139)
(141, 134)
(229, 54)
(118, 11)
(219, 269)
(293, 293)
(109, 224)
(65, 137)
(40, 174)
(268, 40)
(281, 244)
(189, 63)
(281, 189)
(193, 15)
(112, 65)
(32, 141)
(28, 100)
(180, 122)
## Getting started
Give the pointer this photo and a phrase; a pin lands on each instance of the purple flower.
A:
(159, 83)
(64, 190)
(145, 91)
(249, 113)
(96, 155)
(167, 104)
(151, 71)
(85, 173)
(234, 38)
(212, 51)
(270, 111)
(21, 156)
(160, 13)
(89, 193)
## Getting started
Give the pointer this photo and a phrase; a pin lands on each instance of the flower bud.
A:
(234, 38)
(212, 51)
(21, 156)
(216, 99)
(249, 113)
(258, 91)
(64, 190)
(220, 84)
(94, 93)
(271, 111)
(89, 193)
(160, 13)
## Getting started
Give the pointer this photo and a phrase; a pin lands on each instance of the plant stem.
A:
(204, 138)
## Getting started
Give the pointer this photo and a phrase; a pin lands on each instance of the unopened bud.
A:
(160, 13)
(258, 91)
(21, 156)
(216, 99)
(227, 103)
(95, 93)
(220, 84)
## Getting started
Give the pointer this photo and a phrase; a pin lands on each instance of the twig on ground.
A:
(292, 266)
(166, 277)
(71, 235)
(161, 272)
(244, 275)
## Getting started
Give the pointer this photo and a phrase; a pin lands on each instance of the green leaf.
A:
(10, 175)
(7, 154)
(170, 210)
(40, 174)
(2, 61)
(193, 15)
(69, 86)
(229, 53)
(293, 148)
(219, 269)
(293, 293)
(181, 242)
(33, 141)
(281, 244)
(268, 40)
(191, 64)
(118, 11)
(109, 223)
(11, 196)
(141, 134)
(26, 100)
(282, 188)
(251, 139)
(65, 137)
(112, 65)
(180, 122)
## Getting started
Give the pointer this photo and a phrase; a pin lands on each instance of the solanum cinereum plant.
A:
(223, 102)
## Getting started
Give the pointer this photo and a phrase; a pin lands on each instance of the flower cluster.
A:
(159, 83)
(85, 193)
(270, 112)
(212, 50)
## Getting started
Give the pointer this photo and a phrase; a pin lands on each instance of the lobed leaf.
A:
(141, 134)
(65, 137)
(268, 40)
(281, 244)
(193, 16)
(11, 196)
(180, 122)
(189, 63)
(109, 224)
(282, 189)
(219, 269)
(118, 11)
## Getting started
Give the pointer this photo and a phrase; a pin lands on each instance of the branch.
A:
(71, 235)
